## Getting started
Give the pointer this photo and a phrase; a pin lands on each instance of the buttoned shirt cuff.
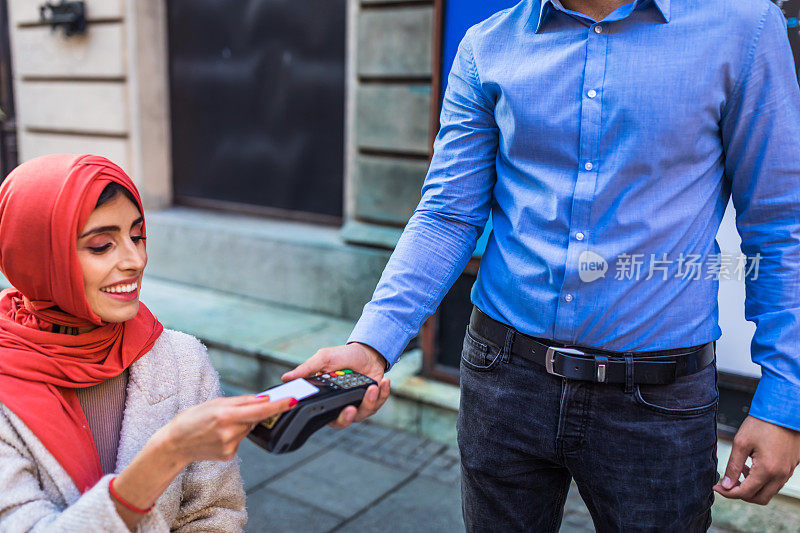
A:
(777, 401)
(381, 333)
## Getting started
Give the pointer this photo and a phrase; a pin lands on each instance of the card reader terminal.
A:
(320, 400)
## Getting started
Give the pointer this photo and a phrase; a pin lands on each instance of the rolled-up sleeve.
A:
(440, 237)
(760, 128)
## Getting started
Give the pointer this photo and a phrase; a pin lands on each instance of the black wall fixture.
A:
(71, 16)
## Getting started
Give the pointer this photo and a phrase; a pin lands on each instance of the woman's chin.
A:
(120, 313)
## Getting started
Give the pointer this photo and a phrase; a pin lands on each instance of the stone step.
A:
(287, 263)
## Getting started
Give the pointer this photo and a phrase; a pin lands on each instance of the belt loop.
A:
(510, 332)
(628, 373)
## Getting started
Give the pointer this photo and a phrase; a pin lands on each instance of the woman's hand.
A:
(214, 429)
(209, 431)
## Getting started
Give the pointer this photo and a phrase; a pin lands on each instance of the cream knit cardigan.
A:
(36, 493)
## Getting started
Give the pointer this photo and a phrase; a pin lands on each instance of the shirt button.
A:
(579, 236)
(568, 297)
(598, 29)
(592, 93)
(588, 166)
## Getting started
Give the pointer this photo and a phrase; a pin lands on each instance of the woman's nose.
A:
(133, 257)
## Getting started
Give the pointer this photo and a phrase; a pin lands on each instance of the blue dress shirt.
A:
(615, 142)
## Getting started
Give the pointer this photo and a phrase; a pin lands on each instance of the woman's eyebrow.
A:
(101, 229)
(104, 229)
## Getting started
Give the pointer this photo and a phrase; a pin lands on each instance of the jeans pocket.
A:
(688, 396)
(479, 355)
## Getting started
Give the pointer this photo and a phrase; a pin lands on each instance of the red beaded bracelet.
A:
(123, 502)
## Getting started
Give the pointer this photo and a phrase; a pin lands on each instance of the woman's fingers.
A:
(243, 399)
(261, 410)
(247, 427)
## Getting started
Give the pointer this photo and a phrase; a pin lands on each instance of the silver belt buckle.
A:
(601, 361)
(551, 355)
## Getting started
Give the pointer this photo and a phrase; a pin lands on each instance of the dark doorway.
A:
(8, 122)
(257, 103)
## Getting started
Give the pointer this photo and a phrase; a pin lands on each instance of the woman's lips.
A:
(123, 295)
(127, 290)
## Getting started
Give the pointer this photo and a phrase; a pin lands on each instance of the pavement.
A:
(366, 478)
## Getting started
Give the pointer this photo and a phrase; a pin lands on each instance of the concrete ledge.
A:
(356, 231)
(291, 264)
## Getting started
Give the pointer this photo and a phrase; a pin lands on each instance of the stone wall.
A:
(389, 106)
(107, 92)
(83, 94)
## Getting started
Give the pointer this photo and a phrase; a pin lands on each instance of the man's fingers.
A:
(766, 493)
(733, 470)
(373, 400)
(751, 485)
(304, 369)
(346, 417)
(368, 404)
(318, 362)
(257, 412)
(385, 389)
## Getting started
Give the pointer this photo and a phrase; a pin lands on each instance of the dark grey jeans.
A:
(644, 457)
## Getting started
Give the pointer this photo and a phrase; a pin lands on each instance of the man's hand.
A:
(775, 451)
(355, 356)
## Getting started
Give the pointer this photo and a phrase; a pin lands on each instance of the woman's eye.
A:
(138, 238)
(99, 249)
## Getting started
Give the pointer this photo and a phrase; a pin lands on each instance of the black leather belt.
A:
(591, 364)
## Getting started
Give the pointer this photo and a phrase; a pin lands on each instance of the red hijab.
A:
(44, 203)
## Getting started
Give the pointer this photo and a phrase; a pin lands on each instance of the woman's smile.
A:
(123, 290)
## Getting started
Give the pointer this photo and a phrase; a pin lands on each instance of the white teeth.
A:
(121, 289)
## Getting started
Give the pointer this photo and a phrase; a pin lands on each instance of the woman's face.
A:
(112, 256)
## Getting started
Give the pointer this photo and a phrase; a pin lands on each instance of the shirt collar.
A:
(546, 8)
